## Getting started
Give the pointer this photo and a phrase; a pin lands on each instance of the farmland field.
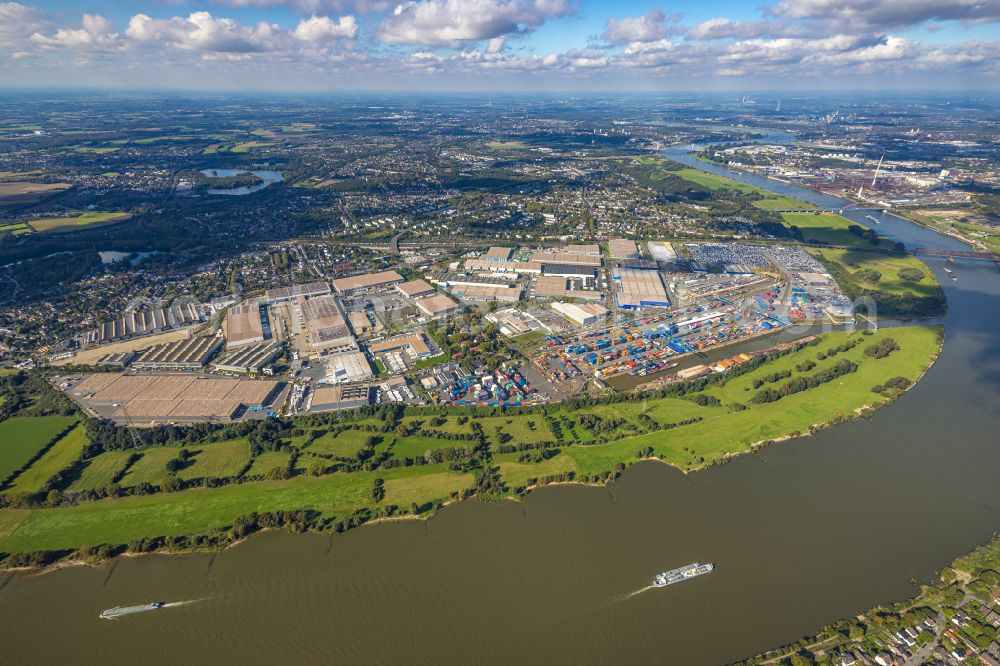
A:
(101, 470)
(267, 461)
(151, 467)
(61, 455)
(344, 444)
(217, 460)
(21, 438)
(13, 194)
(827, 228)
(62, 224)
(125, 519)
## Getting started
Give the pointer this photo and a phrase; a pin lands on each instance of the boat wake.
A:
(177, 604)
(636, 593)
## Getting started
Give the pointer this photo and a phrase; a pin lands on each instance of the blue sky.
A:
(501, 44)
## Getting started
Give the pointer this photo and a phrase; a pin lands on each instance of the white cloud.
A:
(323, 28)
(646, 28)
(452, 22)
(18, 21)
(887, 13)
(309, 7)
(724, 28)
(95, 33)
(201, 31)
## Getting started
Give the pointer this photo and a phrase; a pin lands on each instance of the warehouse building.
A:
(437, 306)
(554, 286)
(358, 283)
(326, 327)
(481, 265)
(251, 359)
(498, 254)
(415, 289)
(190, 354)
(175, 398)
(144, 322)
(584, 314)
(329, 398)
(348, 367)
(484, 292)
(360, 322)
(245, 325)
(297, 291)
(414, 344)
(635, 289)
(553, 260)
(623, 249)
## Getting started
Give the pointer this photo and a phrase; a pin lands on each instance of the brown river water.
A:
(802, 533)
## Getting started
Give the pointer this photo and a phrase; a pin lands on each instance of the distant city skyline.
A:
(502, 45)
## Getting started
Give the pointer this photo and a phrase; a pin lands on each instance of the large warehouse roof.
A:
(366, 281)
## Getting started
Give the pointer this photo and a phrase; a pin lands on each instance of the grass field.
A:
(217, 460)
(20, 193)
(506, 145)
(888, 266)
(714, 182)
(21, 438)
(344, 444)
(84, 220)
(267, 461)
(151, 467)
(517, 474)
(101, 470)
(416, 447)
(126, 519)
(782, 203)
(247, 146)
(60, 455)
(827, 228)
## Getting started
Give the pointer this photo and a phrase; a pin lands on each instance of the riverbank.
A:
(691, 427)
(958, 613)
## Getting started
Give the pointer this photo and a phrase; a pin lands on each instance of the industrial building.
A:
(144, 322)
(569, 260)
(554, 286)
(497, 266)
(190, 354)
(437, 306)
(357, 283)
(584, 314)
(635, 289)
(329, 398)
(297, 291)
(484, 292)
(348, 367)
(623, 249)
(415, 345)
(251, 359)
(177, 398)
(498, 254)
(327, 329)
(415, 289)
(244, 325)
(514, 322)
(359, 321)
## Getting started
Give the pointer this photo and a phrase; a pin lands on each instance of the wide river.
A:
(802, 533)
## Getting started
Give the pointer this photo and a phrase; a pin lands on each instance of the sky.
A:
(502, 45)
